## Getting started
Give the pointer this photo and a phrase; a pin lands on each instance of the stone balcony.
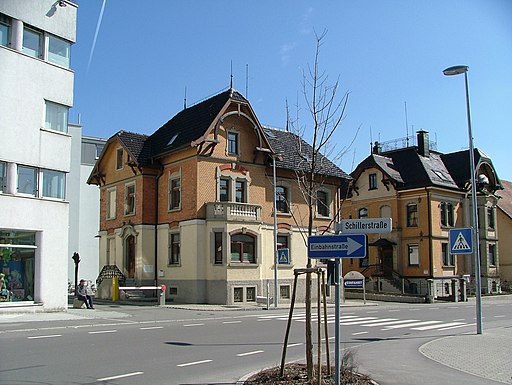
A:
(233, 211)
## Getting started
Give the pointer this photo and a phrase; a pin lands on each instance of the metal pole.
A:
(276, 259)
(476, 236)
(337, 327)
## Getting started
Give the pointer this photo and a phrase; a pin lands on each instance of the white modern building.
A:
(36, 93)
(84, 205)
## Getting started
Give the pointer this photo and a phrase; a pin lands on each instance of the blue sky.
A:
(387, 53)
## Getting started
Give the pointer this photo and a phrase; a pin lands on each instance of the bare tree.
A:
(326, 110)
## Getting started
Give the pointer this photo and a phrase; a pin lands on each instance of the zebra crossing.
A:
(376, 322)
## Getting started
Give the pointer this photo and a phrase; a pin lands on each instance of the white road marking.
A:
(359, 333)
(367, 322)
(120, 376)
(194, 363)
(394, 310)
(151, 328)
(103, 332)
(437, 326)
(410, 325)
(47, 336)
(499, 316)
(392, 322)
(296, 344)
(459, 319)
(232, 322)
(356, 321)
(188, 325)
(458, 326)
(249, 353)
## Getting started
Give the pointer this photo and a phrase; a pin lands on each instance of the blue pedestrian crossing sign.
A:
(461, 241)
(283, 256)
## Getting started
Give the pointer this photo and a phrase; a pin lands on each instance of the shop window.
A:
(54, 183)
(243, 248)
(412, 215)
(17, 259)
(174, 249)
(129, 199)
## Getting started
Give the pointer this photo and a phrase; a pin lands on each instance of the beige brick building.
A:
(191, 206)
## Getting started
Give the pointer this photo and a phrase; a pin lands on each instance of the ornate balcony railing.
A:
(232, 211)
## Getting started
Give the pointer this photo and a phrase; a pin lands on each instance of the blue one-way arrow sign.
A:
(337, 246)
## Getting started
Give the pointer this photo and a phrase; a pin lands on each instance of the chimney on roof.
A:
(377, 148)
(423, 143)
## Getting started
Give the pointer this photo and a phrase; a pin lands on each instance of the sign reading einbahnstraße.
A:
(365, 226)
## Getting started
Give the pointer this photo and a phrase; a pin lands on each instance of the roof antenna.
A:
(371, 140)
(185, 100)
(406, 127)
(231, 81)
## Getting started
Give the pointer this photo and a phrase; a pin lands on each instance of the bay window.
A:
(243, 248)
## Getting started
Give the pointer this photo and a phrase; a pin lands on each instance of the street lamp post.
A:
(457, 70)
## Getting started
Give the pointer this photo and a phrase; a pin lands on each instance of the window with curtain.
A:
(322, 203)
(174, 249)
(56, 116)
(217, 244)
(413, 252)
(241, 191)
(243, 248)
(111, 203)
(282, 199)
(174, 193)
(412, 215)
(54, 184)
(129, 196)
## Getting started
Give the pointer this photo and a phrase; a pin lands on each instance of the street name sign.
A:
(461, 241)
(337, 246)
(365, 226)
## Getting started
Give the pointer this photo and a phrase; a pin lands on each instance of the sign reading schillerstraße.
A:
(365, 226)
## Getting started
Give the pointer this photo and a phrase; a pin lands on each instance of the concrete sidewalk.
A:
(486, 355)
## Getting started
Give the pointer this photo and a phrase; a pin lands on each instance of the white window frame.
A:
(53, 184)
(62, 48)
(56, 116)
(236, 134)
(372, 181)
(3, 176)
(26, 49)
(286, 200)
(111, 203)
(411, 220)
(5, 26)
(35, 183)
(130, 201)
(244, 189)
(413, 254)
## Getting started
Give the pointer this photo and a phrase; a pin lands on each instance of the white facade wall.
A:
(25, 83)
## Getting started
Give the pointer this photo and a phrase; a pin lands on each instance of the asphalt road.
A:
(149, 345)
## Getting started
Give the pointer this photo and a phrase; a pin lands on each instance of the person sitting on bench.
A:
(83, 295)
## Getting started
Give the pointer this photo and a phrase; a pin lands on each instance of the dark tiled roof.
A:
(136, 144)
(385, 163)
(190, 124)
(296, 154)
(505, 203)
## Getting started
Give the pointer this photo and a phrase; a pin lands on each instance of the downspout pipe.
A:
(157, 178)
(430, 247)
